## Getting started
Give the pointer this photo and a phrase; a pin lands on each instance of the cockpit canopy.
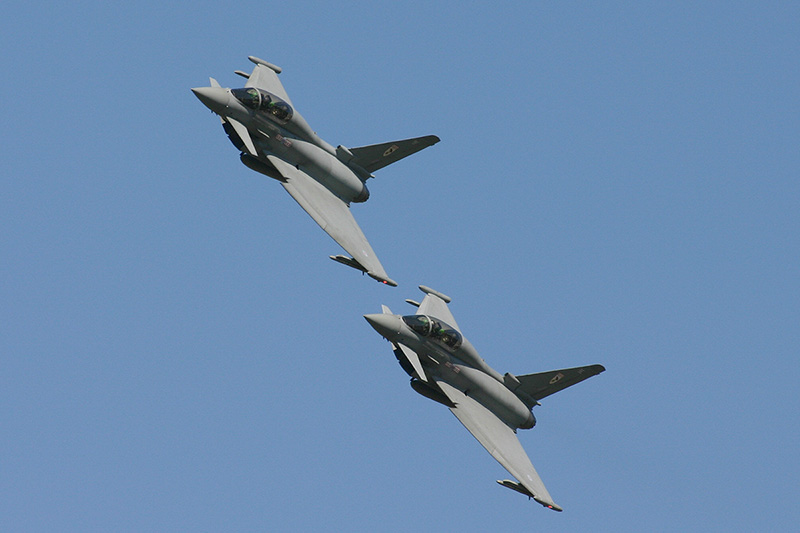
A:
(261, 100)
(436, 329)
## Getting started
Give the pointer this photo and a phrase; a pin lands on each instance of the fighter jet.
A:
(275, 140)
(446, 368)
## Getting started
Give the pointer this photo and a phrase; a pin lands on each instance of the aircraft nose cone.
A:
(214, 98)
(387, 325)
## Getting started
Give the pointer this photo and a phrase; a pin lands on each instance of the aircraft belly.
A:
(488, 392)
(322, 167)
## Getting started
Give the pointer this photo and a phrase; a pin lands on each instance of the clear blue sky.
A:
(616, 184)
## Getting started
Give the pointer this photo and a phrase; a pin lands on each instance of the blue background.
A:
(616, 183)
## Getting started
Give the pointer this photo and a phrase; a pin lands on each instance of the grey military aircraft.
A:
(275, 140)
(446, 368)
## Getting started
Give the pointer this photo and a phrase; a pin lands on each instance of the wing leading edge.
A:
(332, 215)
(500, 441)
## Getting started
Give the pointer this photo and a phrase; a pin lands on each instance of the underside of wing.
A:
(332, 214)
(500, 441)
(265, 76)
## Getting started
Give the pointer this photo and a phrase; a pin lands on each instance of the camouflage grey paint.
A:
(445, 367)
(276, 141)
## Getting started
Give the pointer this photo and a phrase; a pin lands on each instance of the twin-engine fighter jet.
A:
(445, 367)
(276, 141)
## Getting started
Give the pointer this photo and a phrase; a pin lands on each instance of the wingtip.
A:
(259, 61)
(549, 505)
(443, 297)
(519, 487)
(383, 279)
(351, 262)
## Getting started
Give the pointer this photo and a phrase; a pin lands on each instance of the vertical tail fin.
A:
(377, 156)
(537, 386)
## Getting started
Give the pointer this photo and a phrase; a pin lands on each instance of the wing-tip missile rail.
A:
(428, 290)
(259, 61)
(352, 263)
(522, 490)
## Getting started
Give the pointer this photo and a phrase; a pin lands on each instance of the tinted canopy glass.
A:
(419, 323)
(261, 100)
(435, 329)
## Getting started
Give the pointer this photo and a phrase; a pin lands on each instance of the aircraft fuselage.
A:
(487, 391)
(460, 367)
(293, 141)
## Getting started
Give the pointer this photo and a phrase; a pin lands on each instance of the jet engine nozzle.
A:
(529, 423)
(362, 197)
